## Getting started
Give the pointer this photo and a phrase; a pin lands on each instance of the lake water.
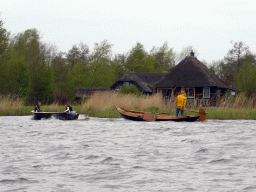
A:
(120, 155)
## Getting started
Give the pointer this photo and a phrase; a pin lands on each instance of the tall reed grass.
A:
(108, 99)
(239, 101)
(11, 105)
(54, 107)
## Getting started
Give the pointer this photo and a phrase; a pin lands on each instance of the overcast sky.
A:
(208, 26)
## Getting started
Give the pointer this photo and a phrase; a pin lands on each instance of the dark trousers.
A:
(179, 110)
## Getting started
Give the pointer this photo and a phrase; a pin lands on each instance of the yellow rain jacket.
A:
(181, 100)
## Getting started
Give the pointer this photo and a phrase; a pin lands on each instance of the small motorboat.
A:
(72, 115)
(147, 116)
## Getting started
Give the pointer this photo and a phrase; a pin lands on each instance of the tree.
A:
(38, 59)
(229, 67)
(246, 78)
(102, 51)
(78, 54)
(164, 56)
(60, 70)
(130, 89)
(136, 60)
(47, 53)
(84, 54)
(118, 63)
(4, 39)
(238, 51)
(139, 61)
(15, 79)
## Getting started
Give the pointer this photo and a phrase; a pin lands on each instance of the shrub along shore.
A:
(102, 104)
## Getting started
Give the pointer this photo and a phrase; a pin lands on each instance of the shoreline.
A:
(214, 113)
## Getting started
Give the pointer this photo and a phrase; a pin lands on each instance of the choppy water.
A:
(119, 155)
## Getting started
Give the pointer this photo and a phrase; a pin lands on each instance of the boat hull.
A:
(73, 115)
(145, 116)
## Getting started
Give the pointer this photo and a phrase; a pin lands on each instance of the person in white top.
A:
(68, 108)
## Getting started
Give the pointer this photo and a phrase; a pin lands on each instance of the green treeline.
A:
(35, 70)
(238, 69)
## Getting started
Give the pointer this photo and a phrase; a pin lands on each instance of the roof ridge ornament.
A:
(192, 54)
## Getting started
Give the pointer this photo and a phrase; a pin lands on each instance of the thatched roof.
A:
(144, 81)
(190, 73)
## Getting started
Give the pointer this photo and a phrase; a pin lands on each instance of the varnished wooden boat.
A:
(73, 115)
(147, 116)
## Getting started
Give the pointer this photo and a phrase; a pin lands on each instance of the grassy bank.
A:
(11, 105)
(102, 105)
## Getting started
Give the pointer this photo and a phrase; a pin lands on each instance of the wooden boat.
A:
(73, 115)
(147, 116)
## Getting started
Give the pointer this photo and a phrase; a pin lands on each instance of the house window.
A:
(206, 92)
(190, 92)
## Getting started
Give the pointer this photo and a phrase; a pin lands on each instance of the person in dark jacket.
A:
(68, 108)
(37, 107)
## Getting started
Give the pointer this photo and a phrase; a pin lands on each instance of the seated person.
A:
(37, 107)
(68, 108)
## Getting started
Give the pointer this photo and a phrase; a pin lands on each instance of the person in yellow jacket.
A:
(180, 103)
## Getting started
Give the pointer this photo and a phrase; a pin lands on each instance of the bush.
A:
(131, 89)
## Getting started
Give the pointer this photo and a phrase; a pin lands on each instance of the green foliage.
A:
(118, 64)
(101, 51)
(78, 54)
(229, 68)
(3, 40)
(15, 78)
(131, 89)
(48, 84)
(31, 58)
(164, 56)
(106, 113)
(238, 51)
(246, 78)
(139, 61)
(153, 109)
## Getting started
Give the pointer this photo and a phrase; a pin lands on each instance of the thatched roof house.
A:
(144, 81)
(194, 77)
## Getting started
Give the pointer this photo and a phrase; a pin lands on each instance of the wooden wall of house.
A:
(198, 99)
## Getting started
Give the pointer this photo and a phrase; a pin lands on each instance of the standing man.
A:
(180, 103)
(37, 107)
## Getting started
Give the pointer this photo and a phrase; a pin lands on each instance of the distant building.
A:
(199, 83)
(143, 81)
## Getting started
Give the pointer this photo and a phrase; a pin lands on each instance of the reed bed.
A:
(101, 104)
(54, 107)
(108, 99)
(239, 101)
(11, 105)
